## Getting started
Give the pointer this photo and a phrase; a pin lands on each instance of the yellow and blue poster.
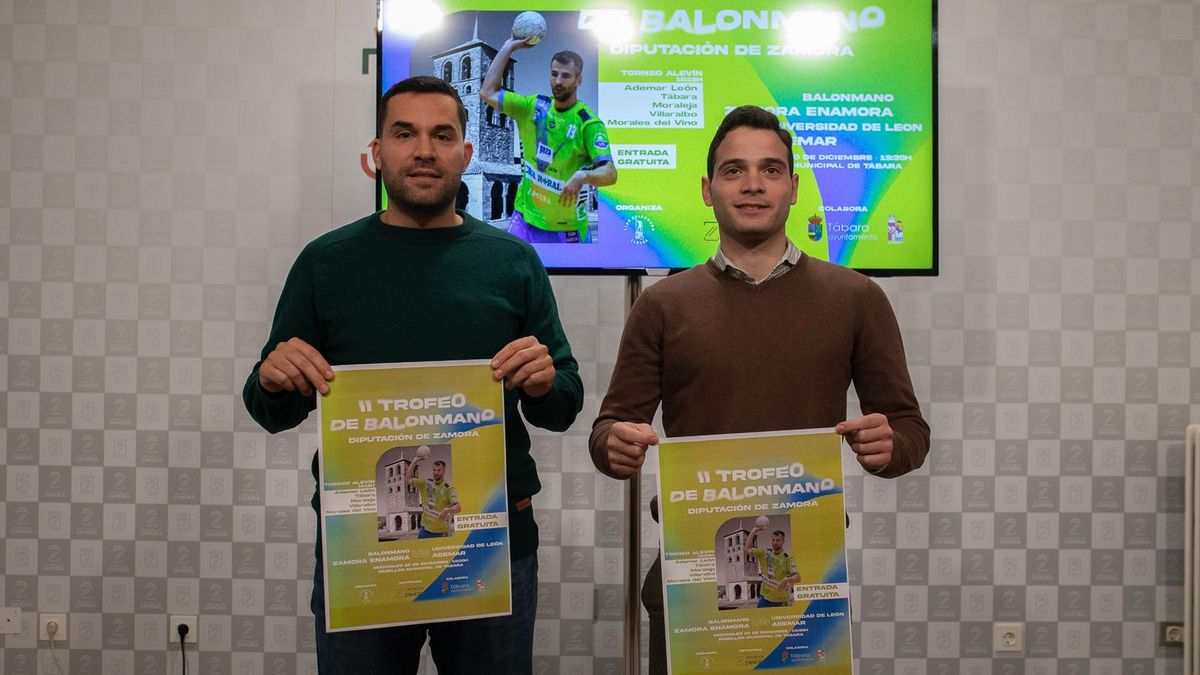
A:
(754, 553)
(413, 497)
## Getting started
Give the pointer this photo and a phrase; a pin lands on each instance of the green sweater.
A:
(369, 292)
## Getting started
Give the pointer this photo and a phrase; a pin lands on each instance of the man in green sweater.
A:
(760, 338)
(421, 282)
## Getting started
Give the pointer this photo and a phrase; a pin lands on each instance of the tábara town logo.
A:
(815, 229)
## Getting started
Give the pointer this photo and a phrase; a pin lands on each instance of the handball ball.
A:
(529, 26)
(423, 451)
(762, 521)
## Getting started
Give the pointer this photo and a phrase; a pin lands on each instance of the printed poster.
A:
(754, 553)
(413, 495)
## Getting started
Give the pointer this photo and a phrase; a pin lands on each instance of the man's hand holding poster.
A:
(754, 553)
(413, 497)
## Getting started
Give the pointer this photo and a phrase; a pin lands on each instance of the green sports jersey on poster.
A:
(435, 497)
(775, 568)
(554, 146)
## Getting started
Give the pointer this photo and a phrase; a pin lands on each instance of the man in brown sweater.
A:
(760, 338)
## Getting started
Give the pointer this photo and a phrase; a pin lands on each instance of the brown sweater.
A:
(724, 356)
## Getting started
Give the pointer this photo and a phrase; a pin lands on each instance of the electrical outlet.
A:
(1170, 634)
(188, 620)
(10, 620)
(44, 621)
(1008, 637)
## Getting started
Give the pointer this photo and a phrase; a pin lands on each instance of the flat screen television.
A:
(854, 81)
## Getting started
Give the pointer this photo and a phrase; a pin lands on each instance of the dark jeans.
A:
(501, 645)
(652, 600)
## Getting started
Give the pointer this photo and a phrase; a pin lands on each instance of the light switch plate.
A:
(10, 620)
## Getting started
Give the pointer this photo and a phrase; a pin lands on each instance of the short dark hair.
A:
(436, 462)
(421, 84)
(568, 56)
(756, 118)
(778, 532)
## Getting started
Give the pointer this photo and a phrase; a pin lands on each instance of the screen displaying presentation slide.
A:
(591, 136)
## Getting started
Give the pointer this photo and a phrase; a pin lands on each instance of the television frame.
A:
(932, 271)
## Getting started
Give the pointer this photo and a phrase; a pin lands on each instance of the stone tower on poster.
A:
(490, 182)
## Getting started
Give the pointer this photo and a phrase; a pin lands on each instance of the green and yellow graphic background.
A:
(894, 58)
(817, 541)
(357, 595)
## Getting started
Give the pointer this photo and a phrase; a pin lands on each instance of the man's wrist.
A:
(279, 393)
(534, 399)
(879, 471)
